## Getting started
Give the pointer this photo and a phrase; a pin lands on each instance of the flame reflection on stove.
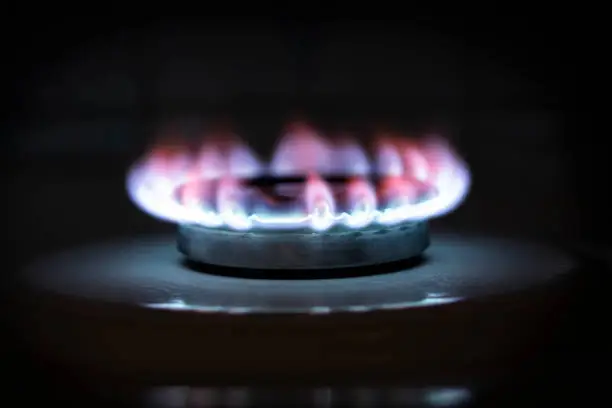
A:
(215, 186)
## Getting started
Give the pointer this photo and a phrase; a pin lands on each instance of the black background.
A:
(506, 85)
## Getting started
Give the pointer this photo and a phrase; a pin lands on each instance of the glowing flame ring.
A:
(156, 196)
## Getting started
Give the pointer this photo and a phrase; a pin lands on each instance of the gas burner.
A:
(316, 204)
(335, 248)
(459, 320)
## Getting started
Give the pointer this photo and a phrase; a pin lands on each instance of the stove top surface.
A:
(148, 271)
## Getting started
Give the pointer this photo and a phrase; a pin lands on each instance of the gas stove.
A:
(317, 204)
(314, 265)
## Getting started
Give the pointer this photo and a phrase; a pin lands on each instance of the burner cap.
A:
(339, 247)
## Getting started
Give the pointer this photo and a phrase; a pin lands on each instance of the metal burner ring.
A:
(339, 247)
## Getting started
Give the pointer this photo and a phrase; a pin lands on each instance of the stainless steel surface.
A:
(147, 271)
(322, 397)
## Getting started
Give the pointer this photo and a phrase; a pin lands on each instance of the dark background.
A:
(86, 94)
(96, 93)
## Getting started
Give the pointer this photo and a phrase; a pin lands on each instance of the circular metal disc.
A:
(148, 272)
(131, 309)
